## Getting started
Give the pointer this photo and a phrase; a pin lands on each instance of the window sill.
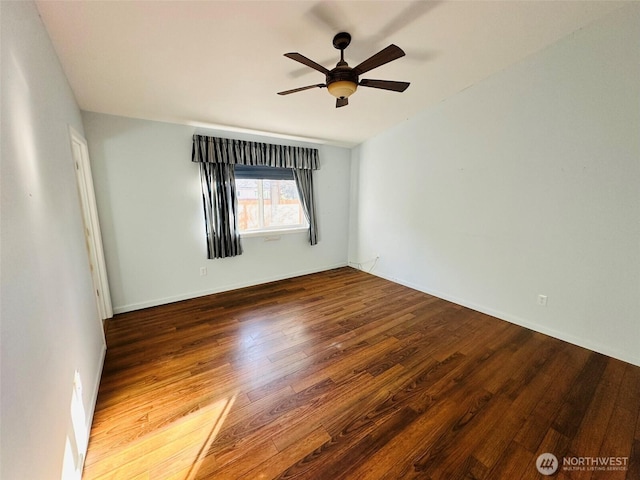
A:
(271, 234)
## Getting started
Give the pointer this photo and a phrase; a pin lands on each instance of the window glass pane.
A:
(248, 204)
(283, 207)
(268, 204)
(266, 188)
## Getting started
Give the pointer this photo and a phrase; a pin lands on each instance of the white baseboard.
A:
(581, 342)
(96, 388)
(92, 406)
(225, 288)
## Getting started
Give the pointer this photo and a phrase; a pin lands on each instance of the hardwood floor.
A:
(343, 375)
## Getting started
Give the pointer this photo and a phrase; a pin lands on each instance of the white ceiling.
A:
(220, 63)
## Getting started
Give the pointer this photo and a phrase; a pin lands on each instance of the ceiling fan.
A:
(343, 80)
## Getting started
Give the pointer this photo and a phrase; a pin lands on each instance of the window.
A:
(267, 199)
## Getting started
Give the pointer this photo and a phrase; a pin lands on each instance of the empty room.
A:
(320, 240)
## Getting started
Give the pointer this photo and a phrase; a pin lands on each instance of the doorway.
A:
(92, 235)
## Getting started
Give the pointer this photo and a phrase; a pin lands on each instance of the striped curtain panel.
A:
(220, 208)
(304, 182)
(217, 158)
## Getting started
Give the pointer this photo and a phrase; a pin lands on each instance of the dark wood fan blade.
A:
(392, 52)
(406, 17)
(305, 61)
(330, 17)
(341, 102)
(385, 85)
(287, 92)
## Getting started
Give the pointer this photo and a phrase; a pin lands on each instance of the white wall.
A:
(50, 326)
(150, 207)
(527, 183)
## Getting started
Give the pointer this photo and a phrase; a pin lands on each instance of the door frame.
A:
(92, 234)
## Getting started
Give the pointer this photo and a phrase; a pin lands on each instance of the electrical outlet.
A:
(203, 271)
(542, 300)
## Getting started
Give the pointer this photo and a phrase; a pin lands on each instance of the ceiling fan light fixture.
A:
(342, 81)
(342, 88)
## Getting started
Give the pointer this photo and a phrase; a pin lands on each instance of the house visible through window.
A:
(267, 199)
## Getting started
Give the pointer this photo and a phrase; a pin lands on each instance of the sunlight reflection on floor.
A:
(182, 444)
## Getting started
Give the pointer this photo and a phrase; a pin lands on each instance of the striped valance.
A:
(225, 150)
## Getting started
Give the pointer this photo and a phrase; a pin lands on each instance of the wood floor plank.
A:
(516, 462)
(597, 418)
(618, 442)
(246, 461)
(571, 413)
(564, 369)
(634, 461)
(279, 463)
(466, 441)
(344, 375)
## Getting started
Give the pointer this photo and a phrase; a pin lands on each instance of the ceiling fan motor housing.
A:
(342, 81)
